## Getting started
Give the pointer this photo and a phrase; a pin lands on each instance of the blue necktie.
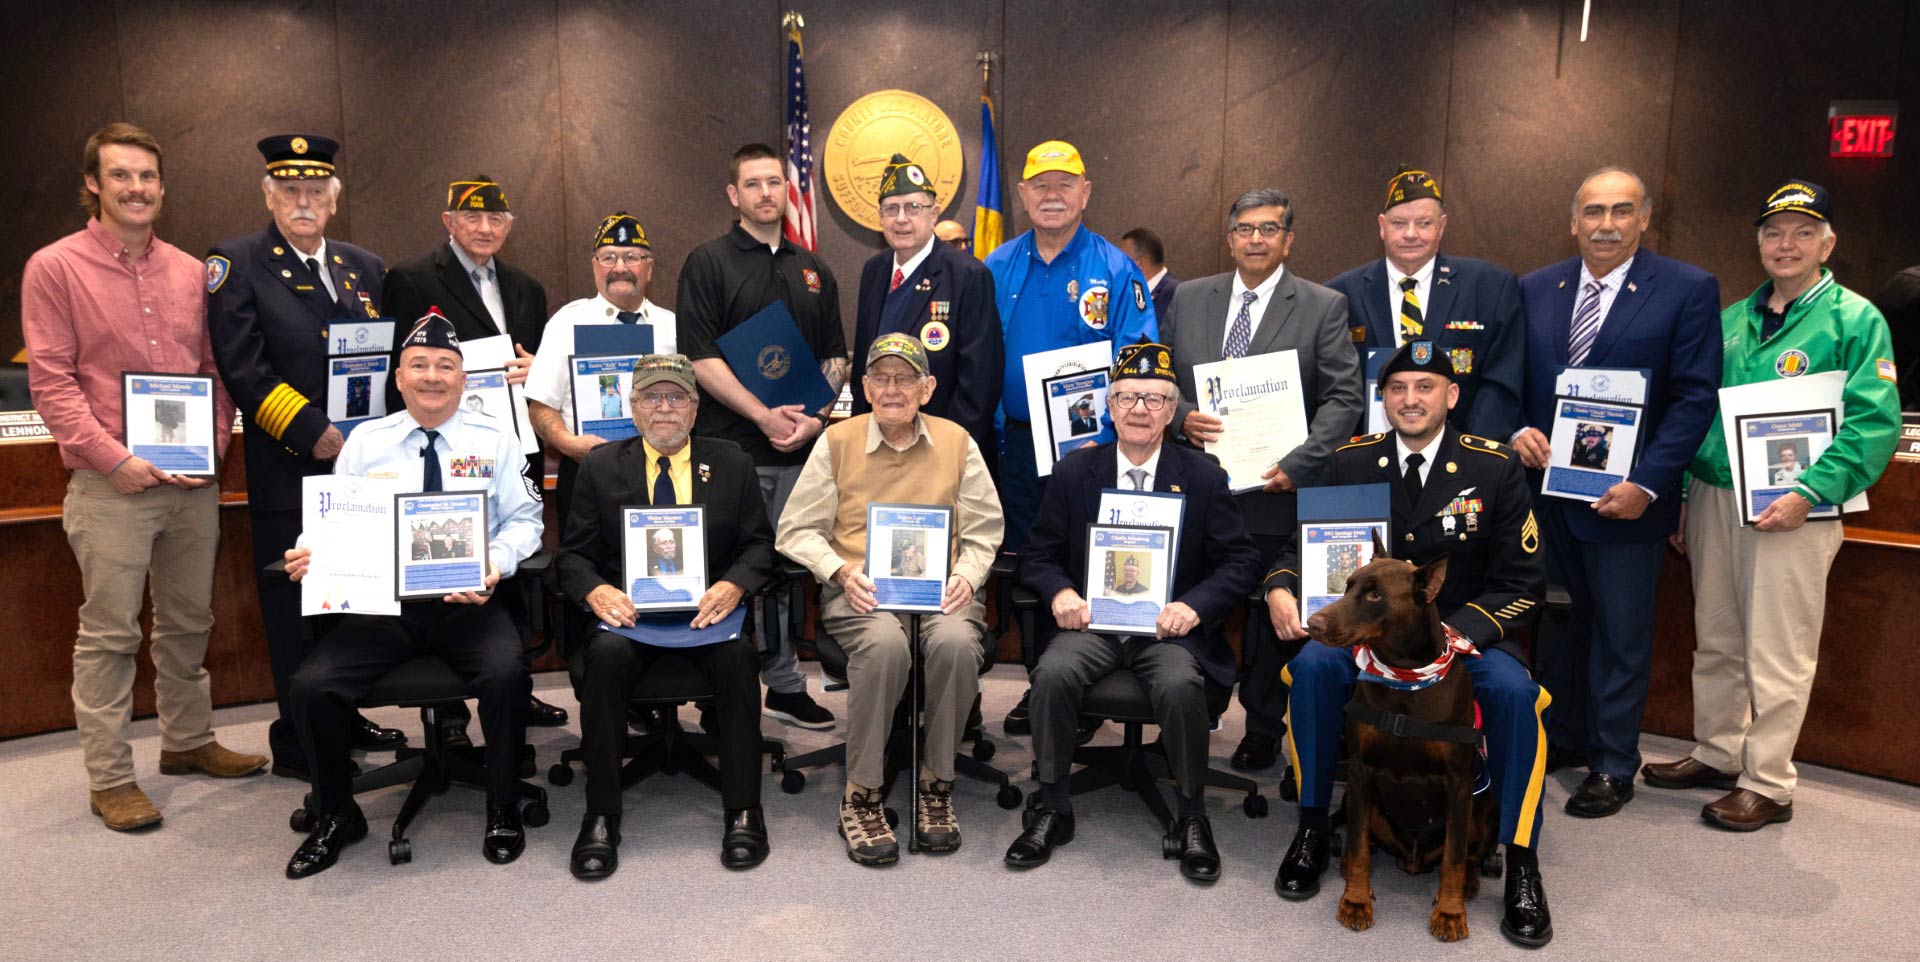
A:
(430, 470)
(1240, 335)
(627, 317)
(663, 484)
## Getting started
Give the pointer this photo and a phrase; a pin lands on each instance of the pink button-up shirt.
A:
(91, 310)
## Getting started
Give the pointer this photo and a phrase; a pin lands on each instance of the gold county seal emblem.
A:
(874, 128)
(774, 362)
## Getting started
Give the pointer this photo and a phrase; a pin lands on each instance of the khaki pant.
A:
(170, 535)
(1759, 599)
(952, 649)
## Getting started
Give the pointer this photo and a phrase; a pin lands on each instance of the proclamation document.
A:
(1260, 402)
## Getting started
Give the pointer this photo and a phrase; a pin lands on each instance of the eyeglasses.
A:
(909, 208)
(611, 258)
(901, 381)
(1268, 230)
(1125, 400)
(675, 400)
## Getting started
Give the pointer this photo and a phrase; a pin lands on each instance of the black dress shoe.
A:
(453, 735)
(1562, 758)
(596, 852)
(745, 844)
(369, 737)
(1049, 828)
(505, 838)
(1600, 796)
(1526, 923)
(1019, 721)
(1306, 860)
(330, 834)
(1256, 752)
(542, 715)
(1199, 859)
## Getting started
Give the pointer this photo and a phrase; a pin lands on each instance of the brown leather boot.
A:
(124, 807)
(213, 759)
(1742, 810)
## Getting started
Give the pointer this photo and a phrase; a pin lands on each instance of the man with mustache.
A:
(622, 268)
(1463, 497)
(87, 304)
(725, 282)
(1615, 306)
(270, 298)
(1057, 285)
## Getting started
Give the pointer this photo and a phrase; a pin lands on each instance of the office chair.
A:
(429, 683)
(833, 663)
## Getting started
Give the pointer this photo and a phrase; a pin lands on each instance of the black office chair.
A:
(429, 684)
(1134, 764)
(665, 748)
(833, 663)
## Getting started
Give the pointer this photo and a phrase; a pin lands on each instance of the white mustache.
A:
(303, 215)
(1604, 236)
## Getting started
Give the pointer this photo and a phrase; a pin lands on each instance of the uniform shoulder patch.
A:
(1139, 296)
(218, 268)
(1483, 445)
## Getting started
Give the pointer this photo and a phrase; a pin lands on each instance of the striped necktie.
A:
(1240, 335)
(1410, 326)
(1586, 325)
(899, 278)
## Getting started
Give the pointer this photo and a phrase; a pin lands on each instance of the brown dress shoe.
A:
(124, 807)
(212, 759)
(1688, 772)
(1744, 811)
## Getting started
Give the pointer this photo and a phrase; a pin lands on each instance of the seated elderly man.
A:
(664, 466)
(897, 454)
(1214, 566)
(471, 631)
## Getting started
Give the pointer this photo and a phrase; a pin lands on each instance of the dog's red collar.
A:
(1413, 679)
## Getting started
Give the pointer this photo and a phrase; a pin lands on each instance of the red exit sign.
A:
(1862, 128)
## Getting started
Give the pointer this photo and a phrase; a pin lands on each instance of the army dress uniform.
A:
(268, 313)
(1474, 508)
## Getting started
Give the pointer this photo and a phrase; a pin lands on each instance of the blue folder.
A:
(669, 629)
(603, 339)
(1346, 502)
(773, 361)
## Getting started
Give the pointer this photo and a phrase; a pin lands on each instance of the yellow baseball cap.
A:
(1054, 155)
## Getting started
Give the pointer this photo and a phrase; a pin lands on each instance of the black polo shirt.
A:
(729, 279)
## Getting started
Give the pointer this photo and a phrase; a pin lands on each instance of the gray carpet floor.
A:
(1654, 882)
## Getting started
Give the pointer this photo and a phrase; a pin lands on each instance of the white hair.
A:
(334, 186)
(1826, 231)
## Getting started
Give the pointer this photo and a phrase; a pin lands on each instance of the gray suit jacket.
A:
(1302, 316)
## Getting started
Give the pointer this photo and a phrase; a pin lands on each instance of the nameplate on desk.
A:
(1909, 447)
(21, 427)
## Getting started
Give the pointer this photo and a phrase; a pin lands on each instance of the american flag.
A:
(800, 219)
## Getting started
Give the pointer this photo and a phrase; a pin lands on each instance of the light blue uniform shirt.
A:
(477, 453)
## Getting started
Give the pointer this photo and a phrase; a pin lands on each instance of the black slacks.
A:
(478, 641)
(613, 667)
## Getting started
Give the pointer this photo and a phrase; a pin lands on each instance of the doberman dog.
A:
(1411, 744)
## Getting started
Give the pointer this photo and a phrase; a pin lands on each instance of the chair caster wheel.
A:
(535, 814)
(399, 851)
(792, 781)
(1255, 806)
(300, 821)
(983, 751)
(1289, 788)
(1008, 797)
(1337, 844)
(560, 773)
(893, 817)
(1169, 847)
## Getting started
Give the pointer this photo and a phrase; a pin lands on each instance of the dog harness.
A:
(1372, 669)
(1414, 679)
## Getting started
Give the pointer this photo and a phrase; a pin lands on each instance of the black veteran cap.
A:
(1409, 184)
(1144, 359)
(619, 229)
(1418, 357)
(432, 330)
(903, 176)
(298, 156)
(480, 193)
(1797, 197)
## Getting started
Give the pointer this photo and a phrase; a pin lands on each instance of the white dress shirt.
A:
(913, 263)
(1151, 465)
(1401, 449)
(548, 380)
(1263, 298)
(1609, 289)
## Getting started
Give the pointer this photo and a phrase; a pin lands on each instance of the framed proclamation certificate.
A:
(908, 548)
(1129, 577)
(169, 421)
(440, 544)
(664, 555)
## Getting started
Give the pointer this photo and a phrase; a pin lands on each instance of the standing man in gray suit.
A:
(1261, 308)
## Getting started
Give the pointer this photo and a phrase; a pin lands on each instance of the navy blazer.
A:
(1481, 302)
(967, 362)
(1665, 319)
(1162, 297)
(1217, 564)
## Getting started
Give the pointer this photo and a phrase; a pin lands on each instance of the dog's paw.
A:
(1448, 926)
(1357, 916)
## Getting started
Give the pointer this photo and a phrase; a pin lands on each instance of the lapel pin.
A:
(1632, 287)
(337, 260)
(706, 474)
(1174, 488)
(1562, 285)
(279, 251)
(1452, 468)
